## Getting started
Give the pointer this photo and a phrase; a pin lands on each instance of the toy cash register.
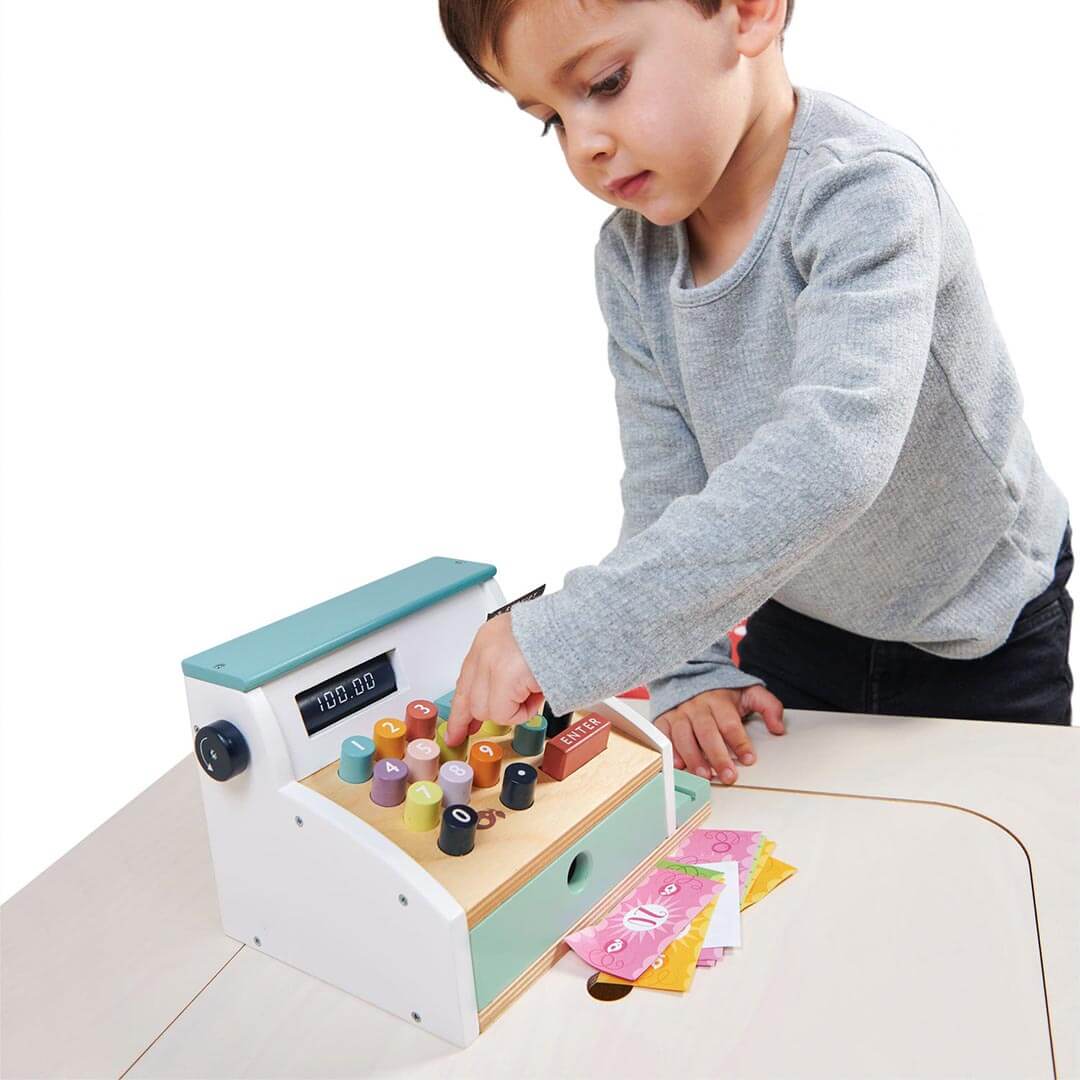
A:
(349, 841)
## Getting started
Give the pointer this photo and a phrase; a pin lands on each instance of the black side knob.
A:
(519, 786)
(458, 833)
(221, 750)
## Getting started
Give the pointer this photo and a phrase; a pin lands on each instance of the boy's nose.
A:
(591, 149)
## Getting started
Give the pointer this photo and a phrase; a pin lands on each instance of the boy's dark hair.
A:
(474, 27)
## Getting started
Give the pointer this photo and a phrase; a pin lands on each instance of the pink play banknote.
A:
(711, 957)
(644, 923)
(718, 845)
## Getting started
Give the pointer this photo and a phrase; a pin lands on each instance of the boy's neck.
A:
(739, 198)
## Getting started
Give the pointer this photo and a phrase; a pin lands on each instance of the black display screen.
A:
(342, 695)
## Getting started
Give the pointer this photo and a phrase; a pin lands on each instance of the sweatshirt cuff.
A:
(570, 679)
(693, 679)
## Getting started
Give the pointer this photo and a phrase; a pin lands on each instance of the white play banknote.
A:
(725, 926)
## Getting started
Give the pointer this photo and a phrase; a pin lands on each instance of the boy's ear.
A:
(759, 24)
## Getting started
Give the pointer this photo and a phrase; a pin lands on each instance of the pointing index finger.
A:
(458, 722)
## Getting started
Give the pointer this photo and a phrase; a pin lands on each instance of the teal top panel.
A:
(264, 654)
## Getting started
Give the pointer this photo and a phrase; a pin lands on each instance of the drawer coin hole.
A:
(579, 871)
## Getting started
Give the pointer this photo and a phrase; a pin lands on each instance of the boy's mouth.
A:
(628, 187)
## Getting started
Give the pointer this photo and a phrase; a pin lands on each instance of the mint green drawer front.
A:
(526, 925)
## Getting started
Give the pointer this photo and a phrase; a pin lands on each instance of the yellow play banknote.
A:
(762, 857)
(769, 876)
(674, 968)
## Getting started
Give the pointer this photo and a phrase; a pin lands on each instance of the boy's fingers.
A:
(528, 709)
(712, 742)
(738, 740)
(457, 723)
(758, 699)
(682, 737)
(664, 725)
(480, 698)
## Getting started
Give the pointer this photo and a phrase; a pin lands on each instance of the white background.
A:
(291, 301)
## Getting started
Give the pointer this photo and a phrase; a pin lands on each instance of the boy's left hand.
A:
(495, 683)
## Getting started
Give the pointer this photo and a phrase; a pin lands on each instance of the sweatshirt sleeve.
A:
(866, 237)
(662, 461)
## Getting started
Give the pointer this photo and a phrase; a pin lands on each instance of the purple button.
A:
(389, 782)
(455, 778)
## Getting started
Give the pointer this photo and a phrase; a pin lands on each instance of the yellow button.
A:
(489, 727)
(423, 806)
(389, 737)
(450, 753)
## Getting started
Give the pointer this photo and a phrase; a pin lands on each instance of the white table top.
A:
(931, 930)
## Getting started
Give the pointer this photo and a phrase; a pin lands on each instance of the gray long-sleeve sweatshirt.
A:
(833, 422)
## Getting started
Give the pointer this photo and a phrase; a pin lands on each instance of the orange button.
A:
(389, 739)
(486, 760)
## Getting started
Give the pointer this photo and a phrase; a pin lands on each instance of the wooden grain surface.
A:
(520, 843)
(930, 931)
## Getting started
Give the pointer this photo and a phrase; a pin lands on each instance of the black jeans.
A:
(809, 664)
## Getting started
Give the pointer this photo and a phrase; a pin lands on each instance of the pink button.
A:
(422, 758)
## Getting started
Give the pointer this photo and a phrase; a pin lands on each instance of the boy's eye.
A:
(609, 87)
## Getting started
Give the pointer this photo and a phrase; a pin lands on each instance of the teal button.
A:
(528, 738)
(443, 705)
(357, 759)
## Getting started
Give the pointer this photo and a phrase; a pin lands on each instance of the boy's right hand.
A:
(705, 728)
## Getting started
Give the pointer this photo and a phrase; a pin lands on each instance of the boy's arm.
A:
(866, 239)
(662, 461)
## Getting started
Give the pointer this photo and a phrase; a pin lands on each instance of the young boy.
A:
(820, 423)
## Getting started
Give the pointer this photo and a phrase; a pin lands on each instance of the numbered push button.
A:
(422, 757)
(421, 716)
(486, 760)
(518, 786)
(458, 833)
(357, 759)
(529, 737)
(450, 753)
(489, 727)
(423, 803)
(389, 739)
(456, 780)
(389, 781)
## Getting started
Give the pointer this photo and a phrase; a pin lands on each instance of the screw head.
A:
(416, 1017)
(257, 941)
(403, 900)
(299, 821)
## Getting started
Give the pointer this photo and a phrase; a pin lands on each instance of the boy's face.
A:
(666, 94)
